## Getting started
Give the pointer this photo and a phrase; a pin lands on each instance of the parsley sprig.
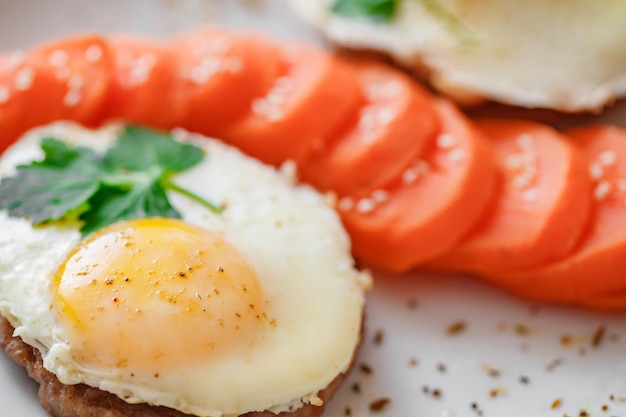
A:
(385, 10)
(129, 181)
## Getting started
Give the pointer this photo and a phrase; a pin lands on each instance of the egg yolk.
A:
(146, 294)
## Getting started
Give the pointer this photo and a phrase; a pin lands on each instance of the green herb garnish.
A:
(385, 10)
(129, 181)
(381, 10)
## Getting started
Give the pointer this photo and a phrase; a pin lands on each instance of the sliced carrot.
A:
(12, 106)
(596, 268)
(313, 95)
(541, 207)
(65, 79)
(145, 85)
(221, 72)
(431, 206)
(72, 77)
(390, 128)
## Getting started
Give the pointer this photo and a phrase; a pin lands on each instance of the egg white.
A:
(565, 55)
(290, 235)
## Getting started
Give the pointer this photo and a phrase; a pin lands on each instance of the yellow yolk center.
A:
(145, 294)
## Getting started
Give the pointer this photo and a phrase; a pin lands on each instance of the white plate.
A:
(416, 355)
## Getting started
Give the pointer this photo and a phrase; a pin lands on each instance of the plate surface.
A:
(435, 346)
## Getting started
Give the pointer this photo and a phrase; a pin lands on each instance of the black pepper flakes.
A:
(380, 404)
(524, 379)
(605, 407)
(552, 365)
(379, 336)
(521, 329)
(356, 388)
(366, 369)
(441, 367)
(413, 362)
(347, 411)
(437, 393)
(583, 413)
(456, 328)
(598, 336)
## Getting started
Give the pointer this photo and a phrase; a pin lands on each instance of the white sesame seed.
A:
(75, 82)
(515, 161)
(607, 158)
(523, 179)
(446, 141)
(385, 116)
(530, 195)
(410, 175)
(4, 94)
(345, 204)
(365, 205)
(24, 79)
(457, 155)
(93, 53)
(17, 58)
(596, 171)
(72, 98)
(525, 142)
(602, 190)
(58, 58)
(621, 184)
(380, 196)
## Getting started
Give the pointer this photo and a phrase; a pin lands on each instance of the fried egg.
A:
(257, 308)
(564, 55)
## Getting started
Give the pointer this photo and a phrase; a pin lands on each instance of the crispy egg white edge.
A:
(286, 373)
(554, 54)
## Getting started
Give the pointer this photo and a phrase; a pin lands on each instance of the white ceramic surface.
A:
(416, 355)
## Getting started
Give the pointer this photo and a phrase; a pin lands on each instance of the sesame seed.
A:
(602, 190)
(607, 158)
(457, 155)
(410, 175)
(58, 58)
(93, 53)
(446, 141)
(530, 195)
(24, 79)
(4, 94)
(380, 196)
(621, 184)
(72, 98)
(17, 58)
(365, 205)
(75, 82)
(525, 142)
(515, 161)
(345, 204)
(596, 171)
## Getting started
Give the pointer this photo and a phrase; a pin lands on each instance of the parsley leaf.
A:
(129, 181)
(381, 10)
